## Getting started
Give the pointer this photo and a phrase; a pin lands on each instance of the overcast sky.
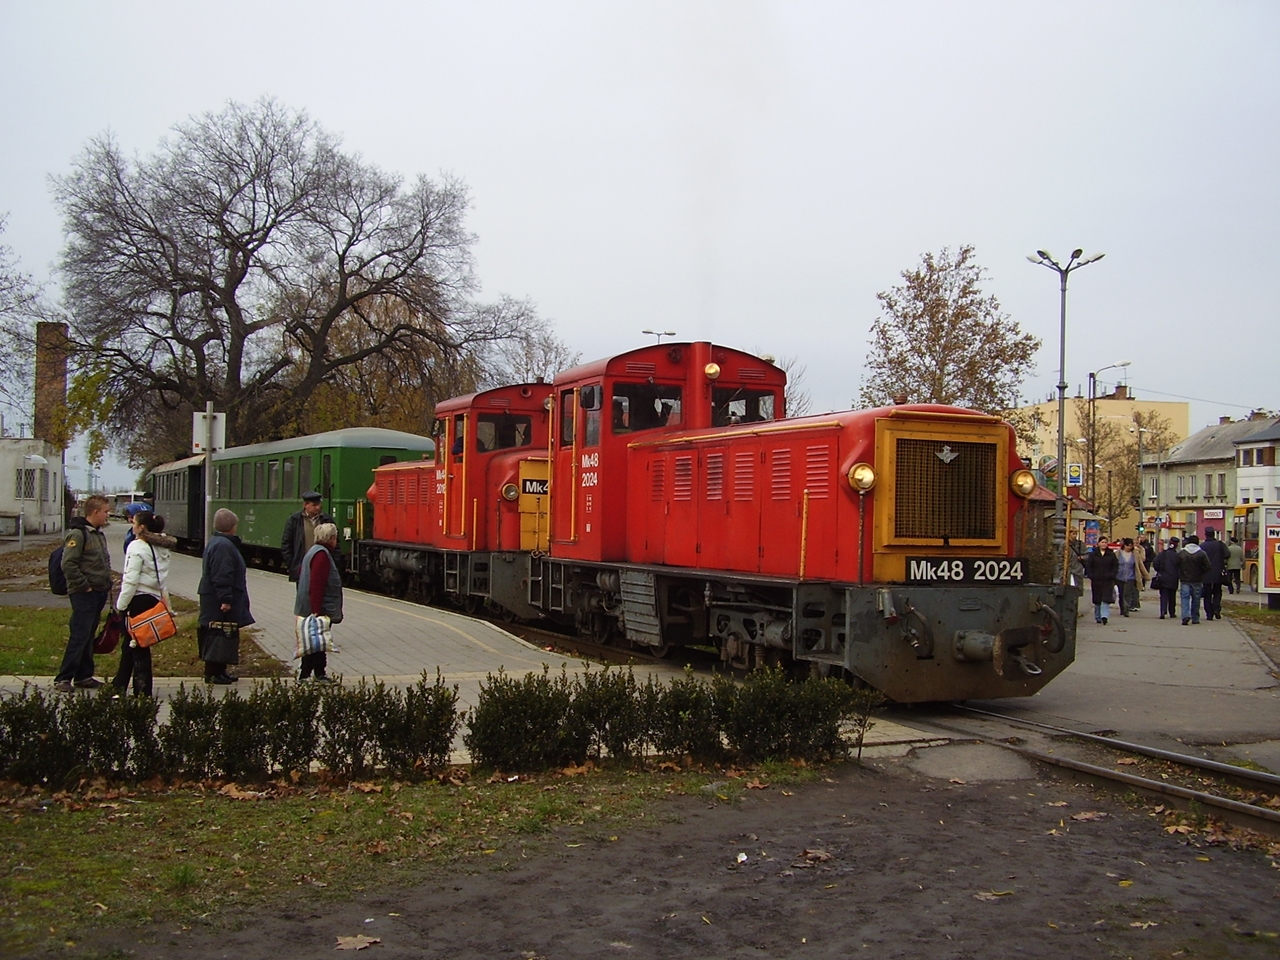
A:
(751, 172)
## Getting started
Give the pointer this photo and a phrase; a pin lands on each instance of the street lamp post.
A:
(659, 334)
(1139, 431)
(1093, 421)
(1059, 518)
(36, 460)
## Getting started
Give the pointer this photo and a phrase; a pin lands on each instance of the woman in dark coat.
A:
(224, 593)
(1102, 581)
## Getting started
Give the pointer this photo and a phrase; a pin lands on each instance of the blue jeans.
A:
(86, 609)
(1191, 601)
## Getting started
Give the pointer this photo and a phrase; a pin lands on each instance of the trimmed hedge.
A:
(534, 722)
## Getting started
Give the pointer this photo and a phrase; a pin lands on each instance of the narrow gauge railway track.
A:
(1258, 785)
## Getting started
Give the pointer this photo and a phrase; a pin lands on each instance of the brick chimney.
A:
(51, 382)
(1121, 392)
(1223, 420)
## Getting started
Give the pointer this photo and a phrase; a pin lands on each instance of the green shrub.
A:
(417, 737)
(189, 741)
(33, 743)
(769, 717)
(682, 718)
(290, 715)
(349, 720)
(608, 713)
(525, 724)
(241, 751)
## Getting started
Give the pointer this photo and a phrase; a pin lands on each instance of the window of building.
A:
(1222, 484)
(1182, 485)
(1208, 485)
(1246, 457)
(1191, 486)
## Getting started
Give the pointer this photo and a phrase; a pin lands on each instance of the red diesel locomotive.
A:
(661, 498)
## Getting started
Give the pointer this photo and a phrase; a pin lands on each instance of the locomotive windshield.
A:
(644, 406)
(503, 431)
(731, 405)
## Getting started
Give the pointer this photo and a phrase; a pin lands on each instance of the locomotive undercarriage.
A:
(915, 643)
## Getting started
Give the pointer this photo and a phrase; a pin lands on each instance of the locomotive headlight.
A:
(712, 370)
(510, 491)
(862, 477)
(1023, 482)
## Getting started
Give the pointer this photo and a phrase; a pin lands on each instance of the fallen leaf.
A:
(992, 894)
(1089, 815)
(1127, 761)
(956, 780)
(756, 785)
(705, 920)
(742, 858)
(787, 793)
(235, 793)
(1126, 883)
(356, 943)
(1205, 859)
(378, 847)
(1057, 803)
(1145, 924)
(367, 787)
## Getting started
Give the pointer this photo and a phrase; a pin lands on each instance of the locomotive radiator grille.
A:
(945, 489)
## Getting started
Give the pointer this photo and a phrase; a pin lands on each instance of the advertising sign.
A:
(1075, 474)
(1269, 551)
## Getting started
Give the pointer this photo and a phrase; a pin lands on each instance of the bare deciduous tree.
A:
(250, 261)
(942, 340)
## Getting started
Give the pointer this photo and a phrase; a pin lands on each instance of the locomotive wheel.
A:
(472, 605)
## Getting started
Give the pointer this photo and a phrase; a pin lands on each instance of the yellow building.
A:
(1119, 409)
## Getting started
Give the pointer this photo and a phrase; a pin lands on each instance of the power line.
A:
(1178, 396)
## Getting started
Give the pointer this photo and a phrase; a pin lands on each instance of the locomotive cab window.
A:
(644, 406)
(459, 435)
(730, 405)
(503, 431)
(438, 430)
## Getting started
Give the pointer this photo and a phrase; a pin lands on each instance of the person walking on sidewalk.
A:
(1131, 575)
(142, 586)
(87, 567)
(223, 590)
(1216, 551)
(1235, 565)
(1193, 565)
(319, 594)
(1102, 581)
(1165, 579)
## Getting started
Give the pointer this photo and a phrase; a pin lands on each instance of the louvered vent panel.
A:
(658, 480)
(682, 482)
(817, 471)
(715, 476)
(744, 476)
(780, 475)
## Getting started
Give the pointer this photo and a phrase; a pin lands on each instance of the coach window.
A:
(326, 472)
(644, 406)
(219, 480)
(260, 480)
(503, 431)
(731, 405)
(235, 481)
(290, 492)
(273, 479)
(304, 473)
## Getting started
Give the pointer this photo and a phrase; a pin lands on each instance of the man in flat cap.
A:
(300, 534)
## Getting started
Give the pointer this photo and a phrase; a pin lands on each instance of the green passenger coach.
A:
(264, 482)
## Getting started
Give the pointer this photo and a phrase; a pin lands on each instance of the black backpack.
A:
(57, 579)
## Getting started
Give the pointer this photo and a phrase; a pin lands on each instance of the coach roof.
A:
(349, 438)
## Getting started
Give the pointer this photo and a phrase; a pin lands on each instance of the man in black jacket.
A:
(1193, 565)
(1218, 554)
(300, 534)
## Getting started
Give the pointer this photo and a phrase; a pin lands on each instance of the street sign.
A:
(200, 434)
(1075, 474)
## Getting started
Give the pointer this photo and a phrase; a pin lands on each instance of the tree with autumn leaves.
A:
(940, 339)
(250, 260)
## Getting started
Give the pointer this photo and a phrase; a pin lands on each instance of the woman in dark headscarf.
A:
(1102, 581)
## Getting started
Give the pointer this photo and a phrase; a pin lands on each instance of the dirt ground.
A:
(877, 862)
